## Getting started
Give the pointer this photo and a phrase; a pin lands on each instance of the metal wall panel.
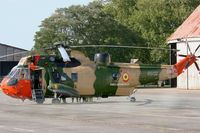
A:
(8, 50)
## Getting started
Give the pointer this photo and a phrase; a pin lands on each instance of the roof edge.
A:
(190, 39)
(13, 47)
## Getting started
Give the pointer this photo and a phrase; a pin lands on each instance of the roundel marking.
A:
(125, 77)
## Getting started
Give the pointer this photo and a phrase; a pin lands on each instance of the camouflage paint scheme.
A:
(118, 79)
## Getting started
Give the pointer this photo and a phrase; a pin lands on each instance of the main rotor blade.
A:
(196, 49)
(64, 54)
(181, 55)
(23, 52)
(116, 46)
(196, 66)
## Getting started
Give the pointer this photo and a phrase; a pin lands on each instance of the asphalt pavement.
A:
(155, 111)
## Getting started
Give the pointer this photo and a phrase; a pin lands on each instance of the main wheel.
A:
(55, 101)
(40, 101)
(64, 100)
(132, 99)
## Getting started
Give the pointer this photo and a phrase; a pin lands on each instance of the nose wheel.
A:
(55, 100)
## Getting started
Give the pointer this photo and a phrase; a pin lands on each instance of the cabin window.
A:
(63, 77)
(56, 76)
(74, 77)
(52, 59)
(115, 76)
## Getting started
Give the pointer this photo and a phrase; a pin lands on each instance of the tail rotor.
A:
(191, 57)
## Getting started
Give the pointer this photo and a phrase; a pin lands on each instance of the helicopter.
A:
(74, 75)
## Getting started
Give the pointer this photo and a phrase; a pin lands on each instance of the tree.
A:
(88, 25)
(154, 20)
(121, 9)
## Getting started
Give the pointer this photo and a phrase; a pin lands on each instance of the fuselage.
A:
(85, 79)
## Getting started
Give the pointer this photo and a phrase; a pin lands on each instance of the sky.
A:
(20, 19)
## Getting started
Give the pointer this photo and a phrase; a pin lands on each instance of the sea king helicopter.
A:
(72, 74)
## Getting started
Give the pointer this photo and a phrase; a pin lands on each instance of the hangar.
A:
(8, 62)
(189, 32)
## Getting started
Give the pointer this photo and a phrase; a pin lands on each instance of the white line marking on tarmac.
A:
(167, 116)
(151, 115)
(16, 129)
(22, 130)
(1, 126)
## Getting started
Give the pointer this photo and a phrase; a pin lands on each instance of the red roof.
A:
(190, 28)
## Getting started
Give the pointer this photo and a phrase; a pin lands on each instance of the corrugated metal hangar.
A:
(188, 32)
(9, 50)
(8, 58)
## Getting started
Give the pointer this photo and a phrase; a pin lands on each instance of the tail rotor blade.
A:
(197, 66)
(196, 49)
(181, 55)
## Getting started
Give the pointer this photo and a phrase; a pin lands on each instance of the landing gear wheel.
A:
(40, 101)
(55, 101)
(132, 99)
(64, 100)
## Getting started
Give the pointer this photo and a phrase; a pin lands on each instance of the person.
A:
(40, 81)
(36, 81)
(22, 76)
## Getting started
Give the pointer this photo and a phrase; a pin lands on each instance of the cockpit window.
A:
(19, 73)
(14, 73)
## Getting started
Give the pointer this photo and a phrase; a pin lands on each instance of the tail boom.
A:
(184, 63)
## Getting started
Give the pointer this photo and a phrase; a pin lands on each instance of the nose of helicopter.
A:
(9, 90)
